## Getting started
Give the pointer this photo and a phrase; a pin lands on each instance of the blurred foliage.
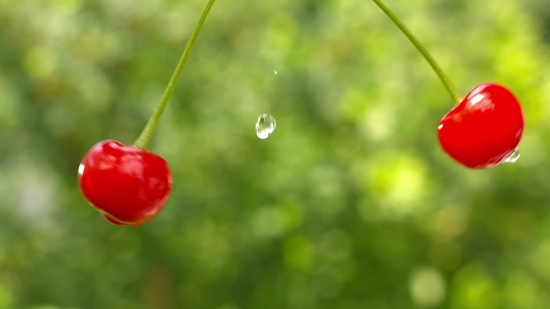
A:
(349, 204)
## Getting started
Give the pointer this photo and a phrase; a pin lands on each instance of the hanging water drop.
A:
(513, 157)
(266, 125)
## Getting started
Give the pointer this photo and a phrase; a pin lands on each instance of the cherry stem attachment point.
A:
(147, 133)
(446, 81)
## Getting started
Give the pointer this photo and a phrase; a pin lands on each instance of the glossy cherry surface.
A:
(484, 129)
(127, 185)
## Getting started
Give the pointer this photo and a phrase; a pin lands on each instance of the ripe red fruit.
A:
(127, 185)
(484, 129)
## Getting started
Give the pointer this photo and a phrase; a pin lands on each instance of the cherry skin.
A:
(127, 185)
(112, 220)
(484, 129)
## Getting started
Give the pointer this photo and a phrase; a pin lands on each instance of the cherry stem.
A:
(147, 133)
(446, 81)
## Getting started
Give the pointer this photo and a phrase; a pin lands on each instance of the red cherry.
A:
(127, 185)
(484, 129)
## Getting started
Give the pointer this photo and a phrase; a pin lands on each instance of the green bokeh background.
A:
(349, 204)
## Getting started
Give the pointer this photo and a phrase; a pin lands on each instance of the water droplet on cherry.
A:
(266, 125)
(512, 157)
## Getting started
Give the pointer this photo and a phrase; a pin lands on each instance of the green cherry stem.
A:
(446, 81)
(147, 133)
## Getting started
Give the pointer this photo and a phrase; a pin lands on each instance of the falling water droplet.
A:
(513, 157)
(275, 72)
(266, 125)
